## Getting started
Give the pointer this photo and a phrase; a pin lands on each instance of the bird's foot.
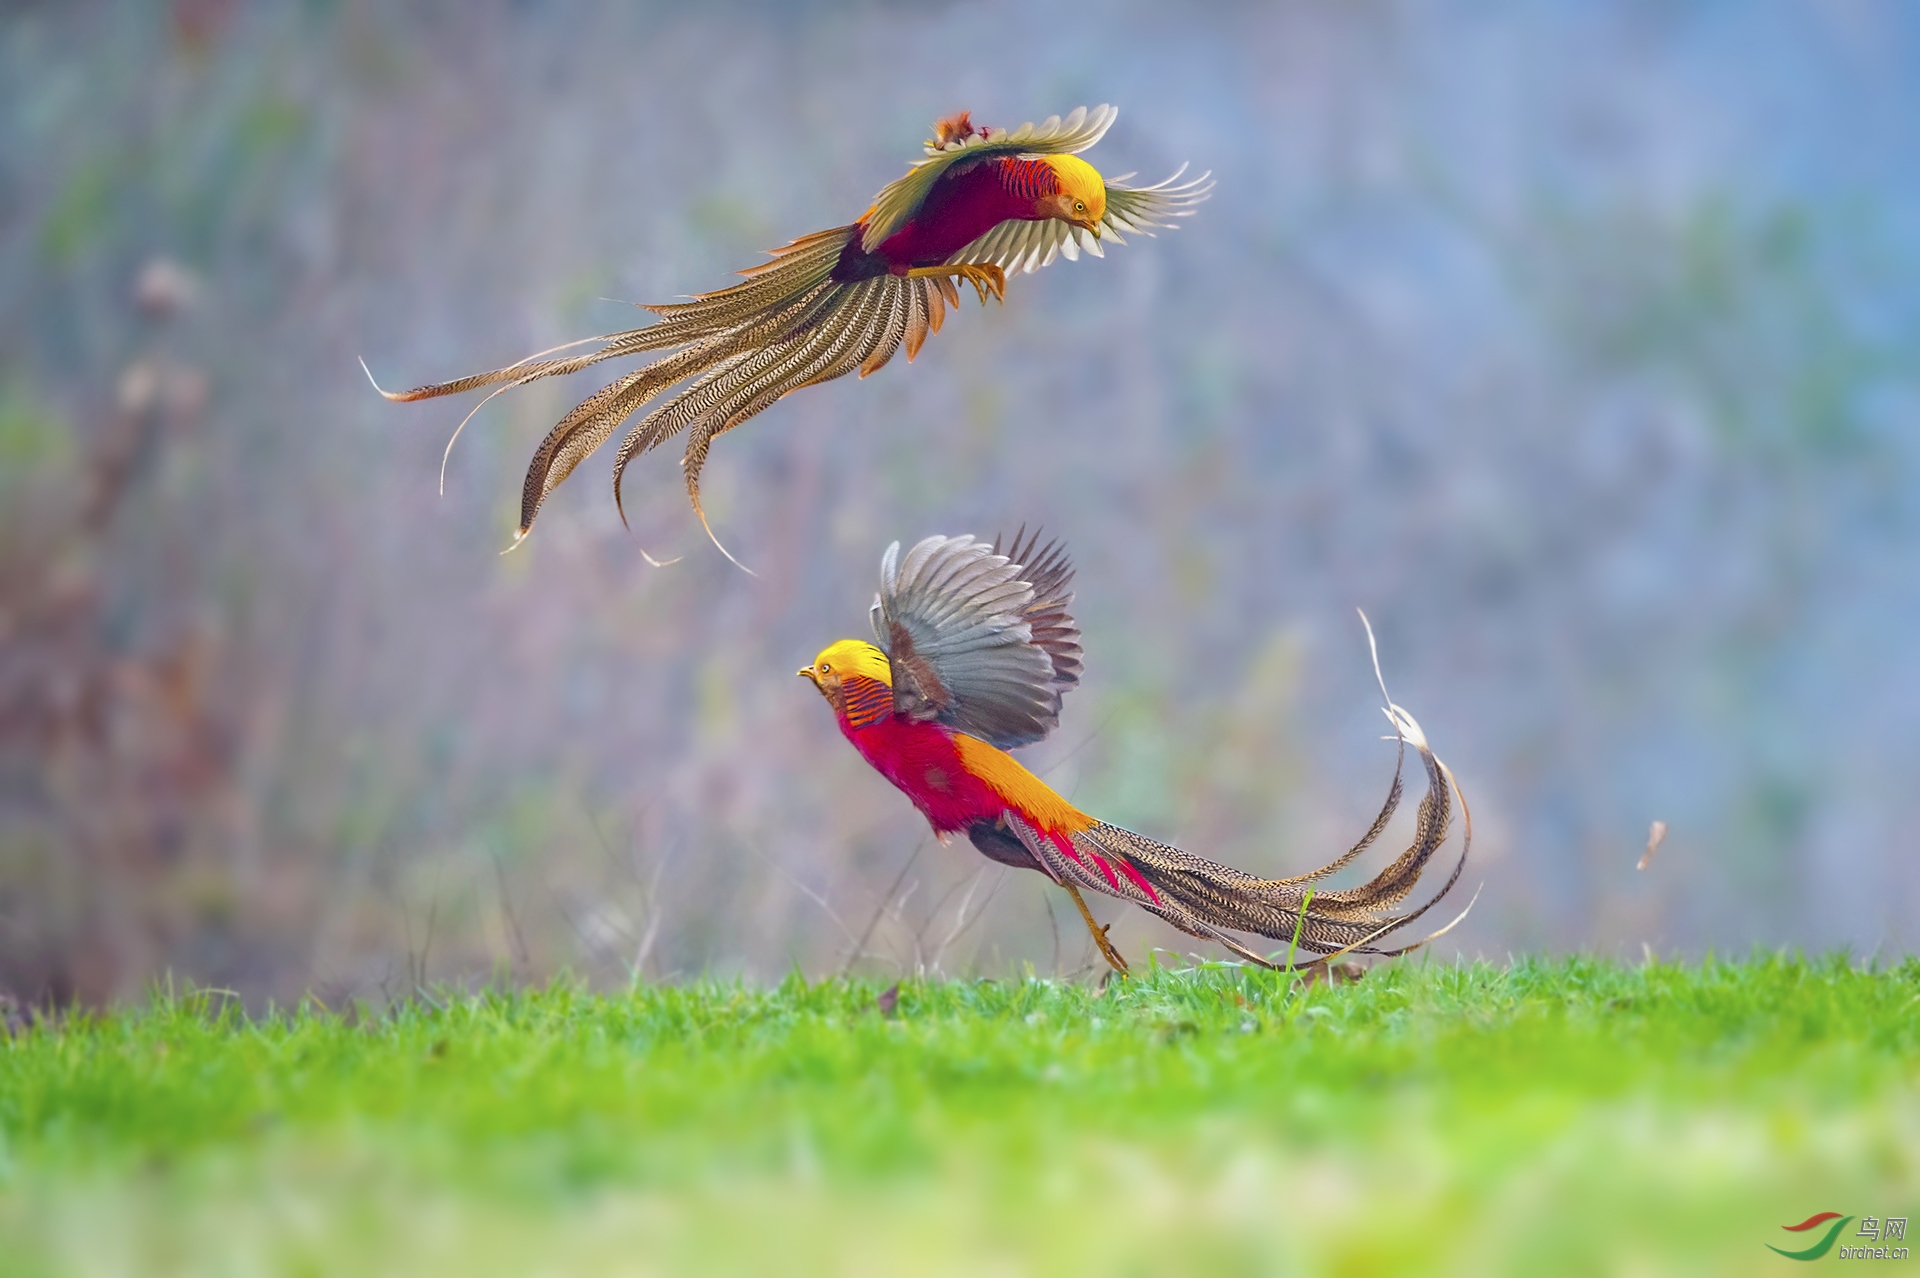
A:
(1098, 931)
(984, 276)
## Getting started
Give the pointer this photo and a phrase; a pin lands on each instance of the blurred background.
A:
(1579, 345)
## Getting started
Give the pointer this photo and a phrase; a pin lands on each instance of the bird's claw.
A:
(988, 279)
(984, 276)
(1098, 931)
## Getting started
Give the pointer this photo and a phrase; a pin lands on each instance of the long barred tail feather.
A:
(788, 325)
(1204, 898)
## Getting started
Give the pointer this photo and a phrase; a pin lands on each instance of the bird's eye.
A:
(825, 668)
(1079, 206)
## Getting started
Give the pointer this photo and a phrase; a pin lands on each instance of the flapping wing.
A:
(971, 641)
(1048, 570)
(1054, 136)
(1022, 246)
(1149, 208)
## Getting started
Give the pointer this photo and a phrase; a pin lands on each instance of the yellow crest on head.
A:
(854, 657)
(1083, 182)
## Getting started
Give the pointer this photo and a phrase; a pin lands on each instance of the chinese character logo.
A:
(1825, 1244)
(1892, 1230)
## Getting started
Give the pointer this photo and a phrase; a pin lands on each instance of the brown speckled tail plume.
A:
(789, 325)
(1205, 898)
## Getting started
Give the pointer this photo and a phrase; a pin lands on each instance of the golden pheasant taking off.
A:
(981, 203)
(976, 651)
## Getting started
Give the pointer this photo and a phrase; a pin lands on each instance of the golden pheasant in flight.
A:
(981, 203)
(976, 650)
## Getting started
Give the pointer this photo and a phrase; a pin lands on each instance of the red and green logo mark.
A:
(1825, 1244)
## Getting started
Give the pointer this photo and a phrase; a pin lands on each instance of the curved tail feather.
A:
(789, 324)
(1204, 898)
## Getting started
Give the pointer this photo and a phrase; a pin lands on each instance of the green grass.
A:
(1566, 1118)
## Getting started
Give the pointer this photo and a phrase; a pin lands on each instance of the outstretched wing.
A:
(972, 642)
(1149, 208)
(1027, 246)
(791, 323)
(1053, 136)
(1048, 570)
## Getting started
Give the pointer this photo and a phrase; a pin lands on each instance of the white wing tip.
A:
(1092, 121)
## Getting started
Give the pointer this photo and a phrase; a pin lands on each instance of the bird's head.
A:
(1082, 198)
(845, 660)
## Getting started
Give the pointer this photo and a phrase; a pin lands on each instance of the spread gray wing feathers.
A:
(1055, 632)
(977, 639)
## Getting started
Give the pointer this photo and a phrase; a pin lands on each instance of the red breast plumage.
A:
(981, 204)
(976, 650)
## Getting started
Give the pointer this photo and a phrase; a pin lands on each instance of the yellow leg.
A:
(1099, 933)
(985, 277)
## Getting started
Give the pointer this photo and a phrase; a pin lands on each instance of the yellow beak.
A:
(1090, 226)
(808, 672)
